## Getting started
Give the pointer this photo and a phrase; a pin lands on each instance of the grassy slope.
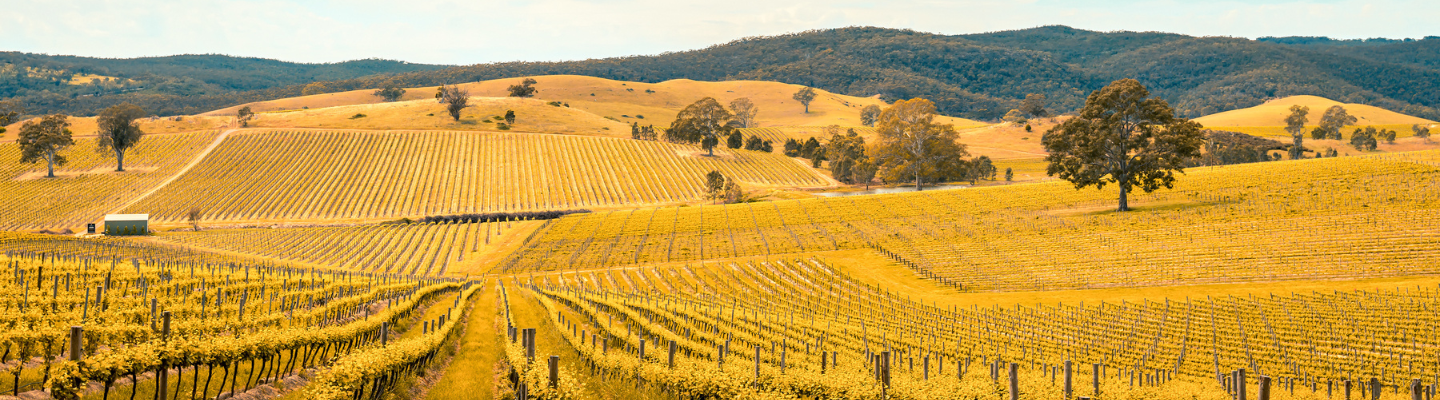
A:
(1273, 113)
(85, 126)
(628, 101)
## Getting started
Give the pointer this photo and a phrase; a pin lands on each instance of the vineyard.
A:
(1331, 218)
(86, 187)
(335, 175)
(799, 328)
(427, 249)
(257, 323)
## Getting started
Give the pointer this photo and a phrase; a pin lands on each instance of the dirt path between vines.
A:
(178, 174)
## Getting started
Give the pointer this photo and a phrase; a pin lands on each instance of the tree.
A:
(1335, 118)
(1388, 135)
(913, 146)
(194, 217)
(981, 168)
(1364, 140)
(767, 147)
(1422, 132)
(845, 153)
(754, 143)
(1125, 137)
(390, 93)
(44, 139)
(10, 110)
(118, 131)
(792, 148)
(1034, 104)
(510, 117)
(1015, 117)
(1295, 126)
(714, 185)
(1009, 174)
(455, 99)
(1318, 133)
(701, 122)
(863, 171)
(869, 115)
(807, 150)
(244, 115)
(526, 88)
(805, 96)
(734, 140)
(745, 112)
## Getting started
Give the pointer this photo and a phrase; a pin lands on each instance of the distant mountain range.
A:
(976, 76)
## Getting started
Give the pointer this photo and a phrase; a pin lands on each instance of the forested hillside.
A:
(182, 84)
(977, 76)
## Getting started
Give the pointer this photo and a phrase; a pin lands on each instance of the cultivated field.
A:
(87, 187)
(302, 175)
(1334, 218)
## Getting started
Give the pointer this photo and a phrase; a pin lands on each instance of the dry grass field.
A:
(1273, 113)
(638, 102)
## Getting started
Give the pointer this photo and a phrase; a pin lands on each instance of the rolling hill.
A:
(1273, 113)
(606, 104)
(978, 76)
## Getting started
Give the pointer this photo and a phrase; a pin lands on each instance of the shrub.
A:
(502, 126)
(357, 116)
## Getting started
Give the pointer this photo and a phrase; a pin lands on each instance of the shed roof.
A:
(127, 217)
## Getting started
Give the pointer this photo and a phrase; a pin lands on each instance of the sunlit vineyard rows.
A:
(414, 249)
(721, 316)
(1345, 217)
(268, 321)
(306, 175)
(778, 135)
(86, 187)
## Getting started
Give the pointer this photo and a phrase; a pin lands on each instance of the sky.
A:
(483, 31)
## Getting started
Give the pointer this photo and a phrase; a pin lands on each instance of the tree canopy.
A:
(1034, 104)
(1125, 137)
(869, 114)
(805, 96)
(44, 139)
(390, 93)
(912, 147)
(118, 130)
(1335, 118)
(700, 122)
(526, 88)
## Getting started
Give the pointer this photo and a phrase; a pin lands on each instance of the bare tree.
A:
(744, 112)
(455, 99)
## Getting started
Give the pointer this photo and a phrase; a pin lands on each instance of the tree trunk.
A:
(50, 163)
(119, 161)
(1124, 200)
(917, 180)
(208, 375)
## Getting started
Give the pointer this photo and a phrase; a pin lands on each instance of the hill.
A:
(978, 76)
(603, 101)
(171, 85)
(1273, 113)
(984, 75)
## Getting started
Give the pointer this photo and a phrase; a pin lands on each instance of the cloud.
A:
(465, 32)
